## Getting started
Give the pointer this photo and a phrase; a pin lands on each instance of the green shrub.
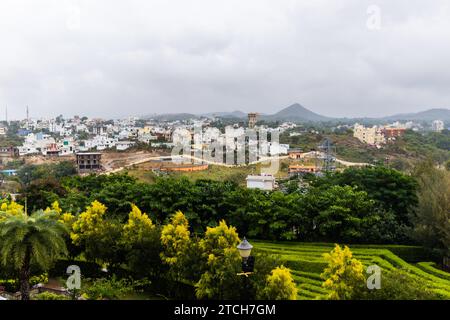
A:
(112, 288)
(13, 285)
(399, 285)
(49, 296)
(10, 285)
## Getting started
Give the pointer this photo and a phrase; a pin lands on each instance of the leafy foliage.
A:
(218, 249)
(344, 274)
(141, 240)
(432, 222)
(30, 240)
(175, 238)
(280, 285)
(398, 285)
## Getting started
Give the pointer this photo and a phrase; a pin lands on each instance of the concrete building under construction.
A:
(89, 162)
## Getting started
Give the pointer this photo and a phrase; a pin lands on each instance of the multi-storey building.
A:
(373, 136)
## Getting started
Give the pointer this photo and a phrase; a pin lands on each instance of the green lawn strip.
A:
(318, 291)
(430, 267)
(306, 295)
(444, 294)
(309, 281)
(310, 275)
(408, 253)
(396, 261)
(306, 292)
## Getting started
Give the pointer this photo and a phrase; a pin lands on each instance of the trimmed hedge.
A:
(307, 263)
(430, 267)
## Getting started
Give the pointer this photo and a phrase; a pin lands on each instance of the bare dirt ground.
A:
(110, 160)
(115, 161)
(40, 159)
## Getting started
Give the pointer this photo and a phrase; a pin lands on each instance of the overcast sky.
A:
(111, 58)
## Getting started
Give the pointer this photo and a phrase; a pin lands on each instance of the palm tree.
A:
(30, 240)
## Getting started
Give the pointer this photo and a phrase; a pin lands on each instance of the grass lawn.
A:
(219, 173)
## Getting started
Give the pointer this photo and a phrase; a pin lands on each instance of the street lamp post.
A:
(248, 261)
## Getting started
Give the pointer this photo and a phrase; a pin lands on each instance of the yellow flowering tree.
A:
(138, 227)
(10, 208)
(99, 237)
(344, 275)
(67, 219)
(140, 238)
(54, 208)
(175, 239)
(223, 262)
(280, 285)
(89, 222)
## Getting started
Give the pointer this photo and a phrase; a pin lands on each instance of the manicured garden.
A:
(306, 262)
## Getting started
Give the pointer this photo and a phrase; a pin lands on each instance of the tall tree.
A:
(222, 263)
(141, 240)
(30, 240)
(432, 221)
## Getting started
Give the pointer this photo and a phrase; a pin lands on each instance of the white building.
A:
(67, 147)
(147, 138)
(373, 136)
(262, 182)
(278, 149)
(100, 142)
(437, 125)
(37, 143)
(124, 145)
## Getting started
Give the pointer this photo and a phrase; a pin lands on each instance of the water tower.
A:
(252, 118)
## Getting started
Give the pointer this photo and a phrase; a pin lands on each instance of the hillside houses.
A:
(379, 135)
(65, 137)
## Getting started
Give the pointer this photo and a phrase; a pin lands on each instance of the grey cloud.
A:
(120, 58)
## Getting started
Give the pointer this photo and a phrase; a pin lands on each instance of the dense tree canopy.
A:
(372, 204)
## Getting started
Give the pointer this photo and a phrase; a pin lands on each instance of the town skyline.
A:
(29, 113)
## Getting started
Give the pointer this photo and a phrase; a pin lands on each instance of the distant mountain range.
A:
(235, 114)
(298, 113)
(428, 115)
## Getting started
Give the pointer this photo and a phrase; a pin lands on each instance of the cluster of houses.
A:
(379, 135)
(236, 138)
(61, 137)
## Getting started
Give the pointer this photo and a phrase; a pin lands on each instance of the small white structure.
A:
(124, 145)
(262, 182)
(437, 125)
(278, 149)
